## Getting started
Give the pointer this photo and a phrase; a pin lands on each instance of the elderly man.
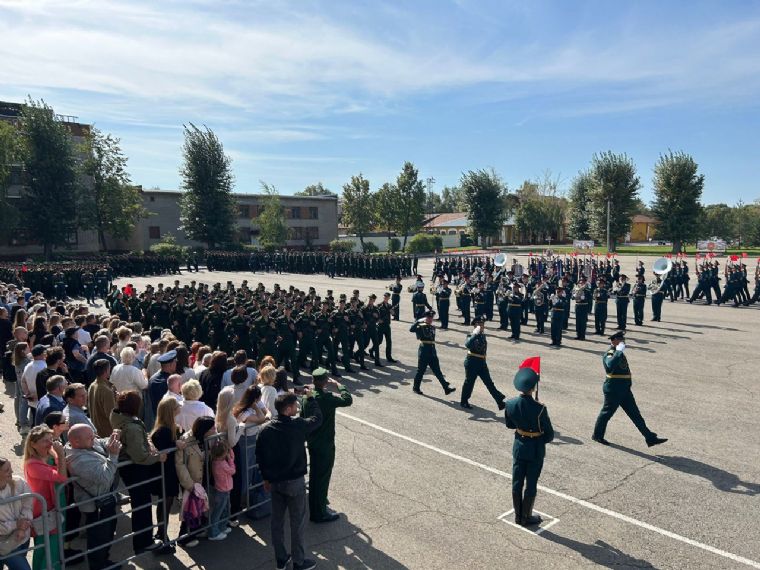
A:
(92, 462)
(75, 396)
(52, 401)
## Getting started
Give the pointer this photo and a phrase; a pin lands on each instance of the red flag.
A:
(608, 255)
(669, 256)
(734, 258)
(744, 254)
(534, 363)
(24, 269)
(530, 254)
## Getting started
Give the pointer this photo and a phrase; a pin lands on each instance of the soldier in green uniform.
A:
(533, 430)
(286, 334)
(396, 289)
(639, 299)
(475, 365)
(385, 310)
(557, 306)
(601, 297)
(306, 326)
(582, 300)
(196, 322)
(426, 353)
(119, 308)
(179, 316)
(515, 311)
(321, 443)
(617, 393)
(658, 296)
(324, 320)
(88, 283)
(420, 301)
(240, 330)
(444, 302)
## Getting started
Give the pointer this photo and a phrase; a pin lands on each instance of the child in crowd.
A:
(222, 470)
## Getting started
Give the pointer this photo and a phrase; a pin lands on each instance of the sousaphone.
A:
(662, 266)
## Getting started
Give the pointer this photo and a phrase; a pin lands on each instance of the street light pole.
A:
(430, 181)
(608, 225)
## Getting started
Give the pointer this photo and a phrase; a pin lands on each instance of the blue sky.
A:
(308, 91)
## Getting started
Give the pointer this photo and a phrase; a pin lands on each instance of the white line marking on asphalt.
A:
(539, 530)
(561, 495)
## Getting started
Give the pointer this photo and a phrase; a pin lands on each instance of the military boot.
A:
(517, 504)
(528, 518)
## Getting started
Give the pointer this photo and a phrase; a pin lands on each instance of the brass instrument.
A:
(578, 294)
(538, 296)
(412, 289)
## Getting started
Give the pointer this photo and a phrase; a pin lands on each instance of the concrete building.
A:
(312, 220)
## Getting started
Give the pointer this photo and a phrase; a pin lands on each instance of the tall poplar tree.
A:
(207, 207)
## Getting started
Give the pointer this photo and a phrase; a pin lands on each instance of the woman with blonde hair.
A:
(165, 437)
(45, 471)
(227, 423)
(192, 407)
(267, 376)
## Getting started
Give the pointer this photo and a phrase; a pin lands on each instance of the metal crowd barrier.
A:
(45, 530)
(247, 443)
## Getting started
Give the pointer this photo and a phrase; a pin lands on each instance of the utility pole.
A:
(608, 224)
(430, 182)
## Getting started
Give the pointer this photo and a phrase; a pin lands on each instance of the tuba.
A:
(578, 294)
(662, 266)
(538, 296)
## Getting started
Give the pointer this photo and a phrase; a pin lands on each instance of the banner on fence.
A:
(583, 243)
(712, 246)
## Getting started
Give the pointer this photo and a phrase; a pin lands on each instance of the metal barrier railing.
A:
(247, 445)
(46, 532)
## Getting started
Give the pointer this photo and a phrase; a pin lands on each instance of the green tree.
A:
(315, 190)
(358, 207)
(452, 199)
(10, 155)
(386, 207)
(677, 198)
(411, 201)
(717, 220)
(540, 214)
(273, 229)
(615, 182)
(52, 184)
(114, 205)
(483, 191)
(579, 226)
(207, 207)
(748, 224)
(433, 203)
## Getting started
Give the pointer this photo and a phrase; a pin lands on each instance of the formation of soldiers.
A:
(551, 287)
(289, 324)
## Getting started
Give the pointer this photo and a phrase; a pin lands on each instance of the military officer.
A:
(639, 298)
(617, 393)
(621, 302)
(396, 289)
(385, 310)
(420, 301)
(475, 365)
(321, 444)
(658, 296)
(515, 311)
(557, 305)
(533, 430)
(444, 302)
(601, 296)
(581, 309)
(426, 353)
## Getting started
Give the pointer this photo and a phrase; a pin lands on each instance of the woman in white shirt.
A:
(251, 412)
(126, 376)
(192, 408)
(267, 377)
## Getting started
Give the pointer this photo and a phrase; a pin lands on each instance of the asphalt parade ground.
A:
(422, 483)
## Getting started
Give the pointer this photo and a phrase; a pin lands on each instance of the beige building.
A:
(312, 220)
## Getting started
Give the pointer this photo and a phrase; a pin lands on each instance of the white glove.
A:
(620, 347)
(476, 330)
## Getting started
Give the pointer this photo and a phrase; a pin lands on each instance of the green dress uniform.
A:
(601, 296)
(617, 393)
(658, 296)
(396, 289)
(533, 430)
(515, 314)
(558, 316)
(475, 365)
(420, 303)
(581, 312)
(639, 298)
(621, 304)
(427, 355)
(444, 303)
(321, 443)
(385, 309)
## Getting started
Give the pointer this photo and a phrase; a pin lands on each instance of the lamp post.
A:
(430, 182)
(608, 223)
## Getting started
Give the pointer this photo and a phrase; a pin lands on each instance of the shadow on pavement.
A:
(721, 479)
(600, 552)
(560, 439)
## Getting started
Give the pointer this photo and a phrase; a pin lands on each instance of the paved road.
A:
(423, 483)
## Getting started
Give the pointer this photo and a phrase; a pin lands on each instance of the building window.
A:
(313, 213)
(152, 198)
(295, 213)
(244, 211)
(154, 232)
(312, 232)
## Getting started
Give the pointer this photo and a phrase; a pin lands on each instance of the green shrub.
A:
(424, 243)
(394, 245)
(168, 247)
(342, 246)
(370, 247)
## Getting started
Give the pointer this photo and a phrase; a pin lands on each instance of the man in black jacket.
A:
(281, 456)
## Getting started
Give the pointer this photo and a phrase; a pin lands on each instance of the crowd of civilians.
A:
(110, 417)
